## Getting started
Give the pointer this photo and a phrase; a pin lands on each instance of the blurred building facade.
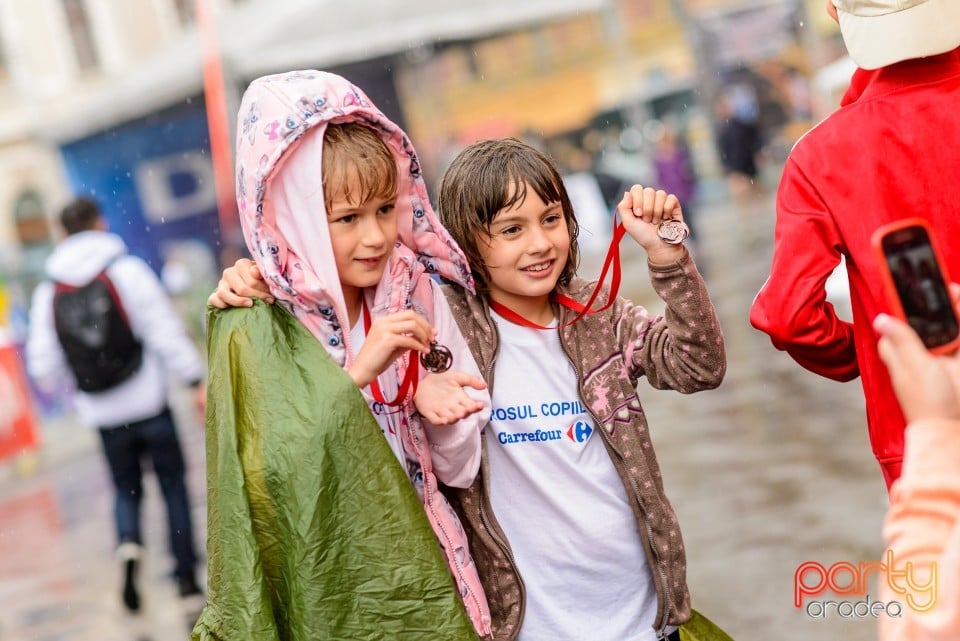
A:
(105, 97)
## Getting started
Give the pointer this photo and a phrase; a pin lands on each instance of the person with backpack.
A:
(103, 319)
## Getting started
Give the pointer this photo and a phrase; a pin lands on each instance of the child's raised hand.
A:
(239, 285)
(387, 339)
(441, 398)
(642, 209)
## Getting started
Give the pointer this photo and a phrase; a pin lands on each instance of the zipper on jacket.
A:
(449, 543)
(665, 584)
(429, 496)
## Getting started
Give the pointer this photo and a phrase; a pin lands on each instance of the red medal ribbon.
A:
(612, 260)
(408, 386)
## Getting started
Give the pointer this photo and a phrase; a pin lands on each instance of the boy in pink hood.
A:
(336, 216)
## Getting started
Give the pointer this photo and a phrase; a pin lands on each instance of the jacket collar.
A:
(869, 84)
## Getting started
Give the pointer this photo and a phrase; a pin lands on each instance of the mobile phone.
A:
(916, 280)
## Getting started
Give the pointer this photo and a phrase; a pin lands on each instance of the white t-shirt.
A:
(561, 504)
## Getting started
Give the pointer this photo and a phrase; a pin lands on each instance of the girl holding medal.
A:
(574, 536)
(567, 519)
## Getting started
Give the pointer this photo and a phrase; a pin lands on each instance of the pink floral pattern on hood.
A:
(282, 120)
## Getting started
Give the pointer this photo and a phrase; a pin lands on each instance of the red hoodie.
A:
(891, 151)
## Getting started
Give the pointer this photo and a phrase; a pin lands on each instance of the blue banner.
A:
(154, 180)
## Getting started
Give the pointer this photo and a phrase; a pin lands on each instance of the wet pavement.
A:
(59, 580)
(769, 471)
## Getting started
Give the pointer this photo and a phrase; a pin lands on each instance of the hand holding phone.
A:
(916, 282)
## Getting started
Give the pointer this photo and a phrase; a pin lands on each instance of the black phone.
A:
(916, 282)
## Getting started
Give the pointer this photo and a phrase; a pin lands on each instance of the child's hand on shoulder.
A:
(239, 285)
(442, 399)
(642, 209)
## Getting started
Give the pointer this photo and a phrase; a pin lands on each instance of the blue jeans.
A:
(125, 446)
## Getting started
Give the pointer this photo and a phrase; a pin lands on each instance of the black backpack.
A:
(93, 329)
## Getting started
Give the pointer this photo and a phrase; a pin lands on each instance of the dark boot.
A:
(129, 554)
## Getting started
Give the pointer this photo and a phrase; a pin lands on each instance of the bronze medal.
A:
(438, 360)
(673, 232)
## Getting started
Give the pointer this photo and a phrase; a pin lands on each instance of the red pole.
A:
(220, 147)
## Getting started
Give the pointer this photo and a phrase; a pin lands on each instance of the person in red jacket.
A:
(891, 151)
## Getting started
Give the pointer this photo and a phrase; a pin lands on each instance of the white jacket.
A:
(167, 349)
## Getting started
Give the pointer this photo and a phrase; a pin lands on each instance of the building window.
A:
(79, 24)
(36, 239)
(29, 216)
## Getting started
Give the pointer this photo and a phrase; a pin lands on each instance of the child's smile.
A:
(526, 255)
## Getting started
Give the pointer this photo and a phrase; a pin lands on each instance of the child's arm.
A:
(683, 350)
(455, 448)
(792, 306)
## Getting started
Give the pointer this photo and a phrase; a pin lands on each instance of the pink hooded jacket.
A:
(282, 120)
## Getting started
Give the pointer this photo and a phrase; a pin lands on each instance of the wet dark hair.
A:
(488, 177)
(352, 150)
(80, 214)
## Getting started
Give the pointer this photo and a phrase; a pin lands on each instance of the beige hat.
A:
(881, 32)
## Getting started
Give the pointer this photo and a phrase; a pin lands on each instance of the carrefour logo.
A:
(579, 432)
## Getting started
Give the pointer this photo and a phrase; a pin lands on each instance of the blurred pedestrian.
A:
(799, 97)
(891, 151)
(103, 320)
(922, 526)
(675, 173)
(740, 140)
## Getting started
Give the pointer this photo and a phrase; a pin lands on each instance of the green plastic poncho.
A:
(314, 531)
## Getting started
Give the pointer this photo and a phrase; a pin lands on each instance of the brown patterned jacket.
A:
(682, 350)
